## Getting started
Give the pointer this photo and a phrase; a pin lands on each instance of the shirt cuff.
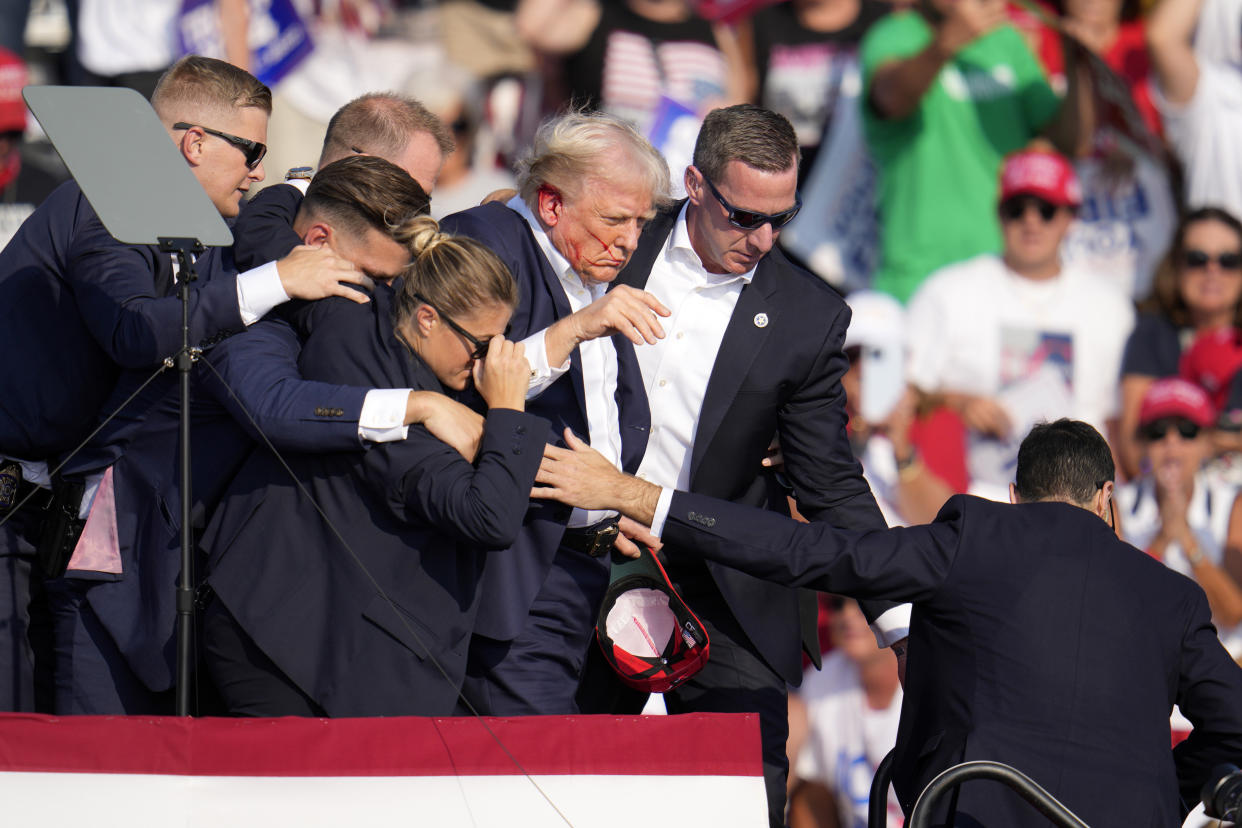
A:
(541, 374)
(892, 626)
(382, 419)
(258, 291)
(661, 511)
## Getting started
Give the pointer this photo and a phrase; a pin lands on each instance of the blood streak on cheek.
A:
(607, 249)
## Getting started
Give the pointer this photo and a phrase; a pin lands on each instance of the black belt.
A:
(595, 540)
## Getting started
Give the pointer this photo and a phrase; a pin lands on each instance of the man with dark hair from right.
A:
(1037, 639)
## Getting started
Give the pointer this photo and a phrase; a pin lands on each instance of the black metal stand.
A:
(185, 250)
(877, 808)
(1023, 785)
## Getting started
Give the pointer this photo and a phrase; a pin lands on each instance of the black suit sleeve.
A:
(827, 479)
(904, 564)
(1209, 694)
(423, 480)
(263, 231)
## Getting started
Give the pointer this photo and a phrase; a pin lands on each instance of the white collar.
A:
(679, 247)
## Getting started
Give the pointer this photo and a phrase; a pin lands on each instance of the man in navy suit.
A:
(394, 127)
(753, 351)
(1038, 638)
(78, 306)
(113, 619)
(585, 190)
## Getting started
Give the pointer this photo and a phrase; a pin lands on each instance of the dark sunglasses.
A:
(480, 345)
(1156, 431)
(749, 219)
(1195, 259)
(1015, 208)
(253, 150)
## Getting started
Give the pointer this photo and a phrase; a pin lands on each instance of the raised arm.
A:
(557, 27)
(1170, 27)
(898, 86)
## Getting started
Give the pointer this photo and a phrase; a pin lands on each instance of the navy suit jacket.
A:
(782, 377)
(1038, 639)
(247, 388)
(263, 231)
(512, 581)
(78, 306)
(246, 384)
(414, 513)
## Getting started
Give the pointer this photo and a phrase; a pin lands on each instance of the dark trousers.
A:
(90, 674)
(249, 683)
(538, 672)
(735, 679)
(25, 629)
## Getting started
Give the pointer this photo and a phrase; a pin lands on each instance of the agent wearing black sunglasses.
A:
(752, 347)
(227, 157)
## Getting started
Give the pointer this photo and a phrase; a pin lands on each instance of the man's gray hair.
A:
(570, 148)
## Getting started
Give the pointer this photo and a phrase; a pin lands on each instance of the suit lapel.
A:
(560, 306)
(743, 338)
(650, 243)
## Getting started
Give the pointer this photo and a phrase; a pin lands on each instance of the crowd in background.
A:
(1031, 208)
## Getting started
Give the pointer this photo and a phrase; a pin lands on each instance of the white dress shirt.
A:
(677, 368)
(599, 362)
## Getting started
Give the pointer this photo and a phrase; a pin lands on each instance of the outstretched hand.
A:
(625, 310)
(580, 476)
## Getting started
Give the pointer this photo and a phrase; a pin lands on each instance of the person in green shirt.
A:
(949, 89)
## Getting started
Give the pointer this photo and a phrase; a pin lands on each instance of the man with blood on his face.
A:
(586, 189)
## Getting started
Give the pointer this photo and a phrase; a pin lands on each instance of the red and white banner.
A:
(597, 771)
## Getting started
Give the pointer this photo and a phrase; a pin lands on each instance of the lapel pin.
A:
(761, 320)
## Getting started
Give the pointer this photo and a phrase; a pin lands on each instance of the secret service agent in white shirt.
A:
(676, 370)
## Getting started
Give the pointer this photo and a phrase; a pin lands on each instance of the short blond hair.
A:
(570, 148)
(195, 86)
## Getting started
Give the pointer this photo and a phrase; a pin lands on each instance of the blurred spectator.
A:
(1010, 340)
(853, 706)
(1198, 290)
(807, 57)
(121, 43)
(806, 53)
(881, 411)
(23, 185)
(624, 57)
(1181, 513)
(1196, 53)
(482, 37)
(949, 89)
(470, 172)
(1129, 209)
(13, 14)
(1113, 30)
(355, 53)
(654, 63)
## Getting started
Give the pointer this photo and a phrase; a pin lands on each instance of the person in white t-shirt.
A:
(853, 706)
(1196, 56)
(1014, 339)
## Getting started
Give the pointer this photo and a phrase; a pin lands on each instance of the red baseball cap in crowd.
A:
(1211, 362)
(1047, 175)
(1175, 397)
(647, 633)
(13, 77)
